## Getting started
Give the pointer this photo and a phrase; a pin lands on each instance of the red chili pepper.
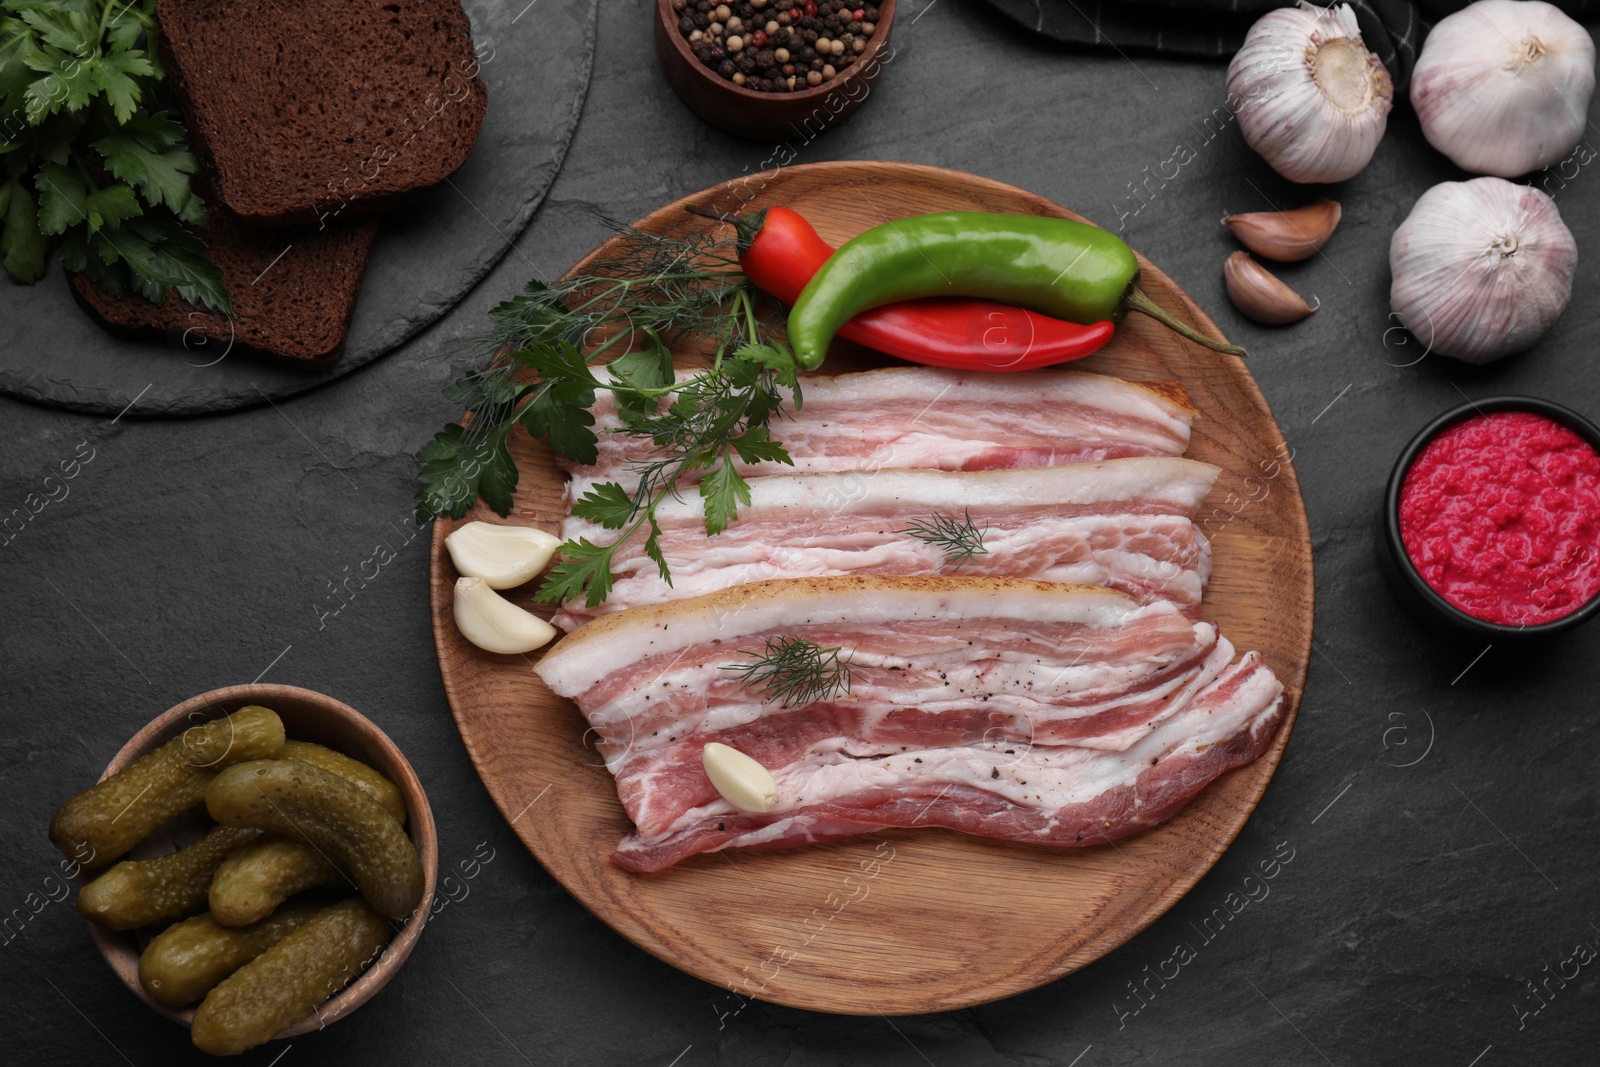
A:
(780, 251)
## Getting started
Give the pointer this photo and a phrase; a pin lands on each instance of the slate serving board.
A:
(535, 60)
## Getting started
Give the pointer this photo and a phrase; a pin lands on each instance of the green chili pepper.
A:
(1069, 270)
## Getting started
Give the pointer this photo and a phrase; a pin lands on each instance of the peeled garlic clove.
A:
(494, 623)
(1310, 98)
(1481, 268)
(1287, 236)
(1503, 88)
(1258, 293)
(503, 556)
(743, 782)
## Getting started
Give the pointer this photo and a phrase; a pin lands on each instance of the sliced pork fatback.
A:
(926, 417)
(1123, 523)
(1063, 795)
(1066, 683)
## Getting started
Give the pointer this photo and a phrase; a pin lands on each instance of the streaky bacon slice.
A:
(1061, 795)
(661, 780)
(1122, 523)
(955, 679)
(927, 417)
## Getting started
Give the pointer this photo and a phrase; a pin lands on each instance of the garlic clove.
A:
(503, 556)
(1310, 97)
(743, 782)
(1287, 236)
(1503, 87)
(493, 623)
(1481, 268)
(1258, 293)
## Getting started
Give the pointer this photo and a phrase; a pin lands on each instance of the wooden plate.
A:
(903, 921)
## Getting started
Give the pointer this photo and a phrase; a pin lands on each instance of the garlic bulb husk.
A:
(1310, 98)
(1503, 87)
(1482, 268)
(503, 556)
(494, 623)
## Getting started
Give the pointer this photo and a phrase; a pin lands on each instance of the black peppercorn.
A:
(726, 69)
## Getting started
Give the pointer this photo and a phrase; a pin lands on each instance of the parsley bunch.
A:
(82, 97)
(650, 292)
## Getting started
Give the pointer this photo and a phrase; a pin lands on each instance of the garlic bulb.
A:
(1481, 268)
(503, 556)
(1310, 98)
(494, 623)
(1503, 87)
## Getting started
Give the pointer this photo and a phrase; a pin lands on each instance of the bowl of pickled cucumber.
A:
(255, 863)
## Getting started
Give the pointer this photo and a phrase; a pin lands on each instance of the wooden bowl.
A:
(306, 716)
(797, 116)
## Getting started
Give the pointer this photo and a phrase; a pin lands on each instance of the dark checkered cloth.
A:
(1215, 29)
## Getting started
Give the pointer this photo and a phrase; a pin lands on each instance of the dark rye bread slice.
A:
(293, 292)
(308, 110)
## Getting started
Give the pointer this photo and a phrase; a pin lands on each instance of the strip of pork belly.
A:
(935, 661)
(928, 417)
(1123, 523)
(1032, 650)
(660, 781)
(1061, 796)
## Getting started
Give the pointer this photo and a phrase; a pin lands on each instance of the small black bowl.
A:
(1409, 586)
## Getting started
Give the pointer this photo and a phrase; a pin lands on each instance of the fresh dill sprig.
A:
(649, 293)
(959, 539)
(796, 671)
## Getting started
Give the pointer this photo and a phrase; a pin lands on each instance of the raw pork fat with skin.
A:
(983, 668)
(1063, 796)
(927, 417)
(1123, 523)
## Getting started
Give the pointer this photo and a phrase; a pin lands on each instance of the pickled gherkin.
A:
(359, 774)
(138, 893)
(106, 820)
(186, 960)
(334, 817)
(257, 878)
(290, 980)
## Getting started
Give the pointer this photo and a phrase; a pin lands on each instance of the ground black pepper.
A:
(771, 45)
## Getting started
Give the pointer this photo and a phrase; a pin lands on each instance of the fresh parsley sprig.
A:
(649, 292)
(796, 671)
(91, 161)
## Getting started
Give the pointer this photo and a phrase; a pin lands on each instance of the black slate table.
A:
(1434, 901)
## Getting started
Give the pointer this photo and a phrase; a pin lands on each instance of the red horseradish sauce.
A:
(1500, 514)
